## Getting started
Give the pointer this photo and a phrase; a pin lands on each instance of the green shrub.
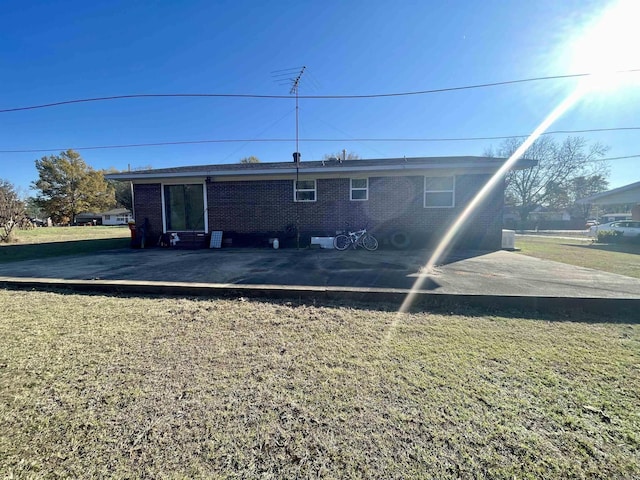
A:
(609, 236)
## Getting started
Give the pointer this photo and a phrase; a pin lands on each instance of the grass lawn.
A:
(94, 386)
(57, 241)
(623, 259)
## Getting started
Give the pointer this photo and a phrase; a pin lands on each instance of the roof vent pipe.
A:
(344, 154)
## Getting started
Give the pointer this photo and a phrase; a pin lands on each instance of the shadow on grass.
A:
(618, 311)
(14, 253)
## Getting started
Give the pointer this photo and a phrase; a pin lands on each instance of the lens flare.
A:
(606, 48)
(452, 232)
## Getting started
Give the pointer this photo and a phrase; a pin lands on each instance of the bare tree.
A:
(344, 155)
(551, 179)
(12, 209)
(250, 159)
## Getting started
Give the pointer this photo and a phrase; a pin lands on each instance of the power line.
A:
(156, 144)
(340, 97)
(270, 140)
(615, 158)
(281, 140)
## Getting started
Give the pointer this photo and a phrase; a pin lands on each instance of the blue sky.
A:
(53, 51)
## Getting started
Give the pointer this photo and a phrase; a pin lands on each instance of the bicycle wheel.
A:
(369, 242)
(341, 242)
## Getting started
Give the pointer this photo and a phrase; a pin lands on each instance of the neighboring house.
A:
(88, 218)
(399, 199)
(117, 216)
(626, 195)
(545, 214)
(510, 217)
(541, 218)
(614, 217)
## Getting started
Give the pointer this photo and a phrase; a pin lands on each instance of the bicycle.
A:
(356, 239)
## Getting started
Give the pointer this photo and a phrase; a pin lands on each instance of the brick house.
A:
(401, 200)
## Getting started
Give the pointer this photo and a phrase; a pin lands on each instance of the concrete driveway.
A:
(468, 273)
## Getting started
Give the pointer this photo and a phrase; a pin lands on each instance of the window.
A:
(304, 190)
(359, 189)
(439, 192)
(184, 207)
(107, 217)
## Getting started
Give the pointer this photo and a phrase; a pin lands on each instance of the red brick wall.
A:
(395, 204)
(148, 205)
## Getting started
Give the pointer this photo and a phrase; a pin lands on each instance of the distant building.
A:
(614, 217)
(543, 213)
(84, 218)
(626, 195)
(117, 216)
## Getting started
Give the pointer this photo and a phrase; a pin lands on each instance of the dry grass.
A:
(95, 386)
(623, 259)
(41, 243)
(68, 234)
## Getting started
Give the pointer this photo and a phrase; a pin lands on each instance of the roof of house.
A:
(333, 166)
(622, 195)
(117, 211)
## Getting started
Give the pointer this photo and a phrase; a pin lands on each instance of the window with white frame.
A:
(359, 189)
(439, 192)
(304, 190)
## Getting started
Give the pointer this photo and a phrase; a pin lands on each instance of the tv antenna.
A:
(292, 76)
(287, 76)
(295, 87)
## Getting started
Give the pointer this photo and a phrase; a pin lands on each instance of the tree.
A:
(551, 181)
(342, 155)
(12, 209)
(122, 190)
(123, 195)
(585, 186)
(68, 186)
(33, 209)
(250, 159)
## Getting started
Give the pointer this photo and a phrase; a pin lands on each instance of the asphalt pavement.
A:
(484, 277)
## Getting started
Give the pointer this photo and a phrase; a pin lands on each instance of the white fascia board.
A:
(475, 167)
(628, 197)
(625, 194)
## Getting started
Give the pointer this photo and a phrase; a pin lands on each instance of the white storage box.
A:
(508, 240)
(324, 242)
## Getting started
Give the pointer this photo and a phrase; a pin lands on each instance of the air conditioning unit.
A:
(508, 239)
